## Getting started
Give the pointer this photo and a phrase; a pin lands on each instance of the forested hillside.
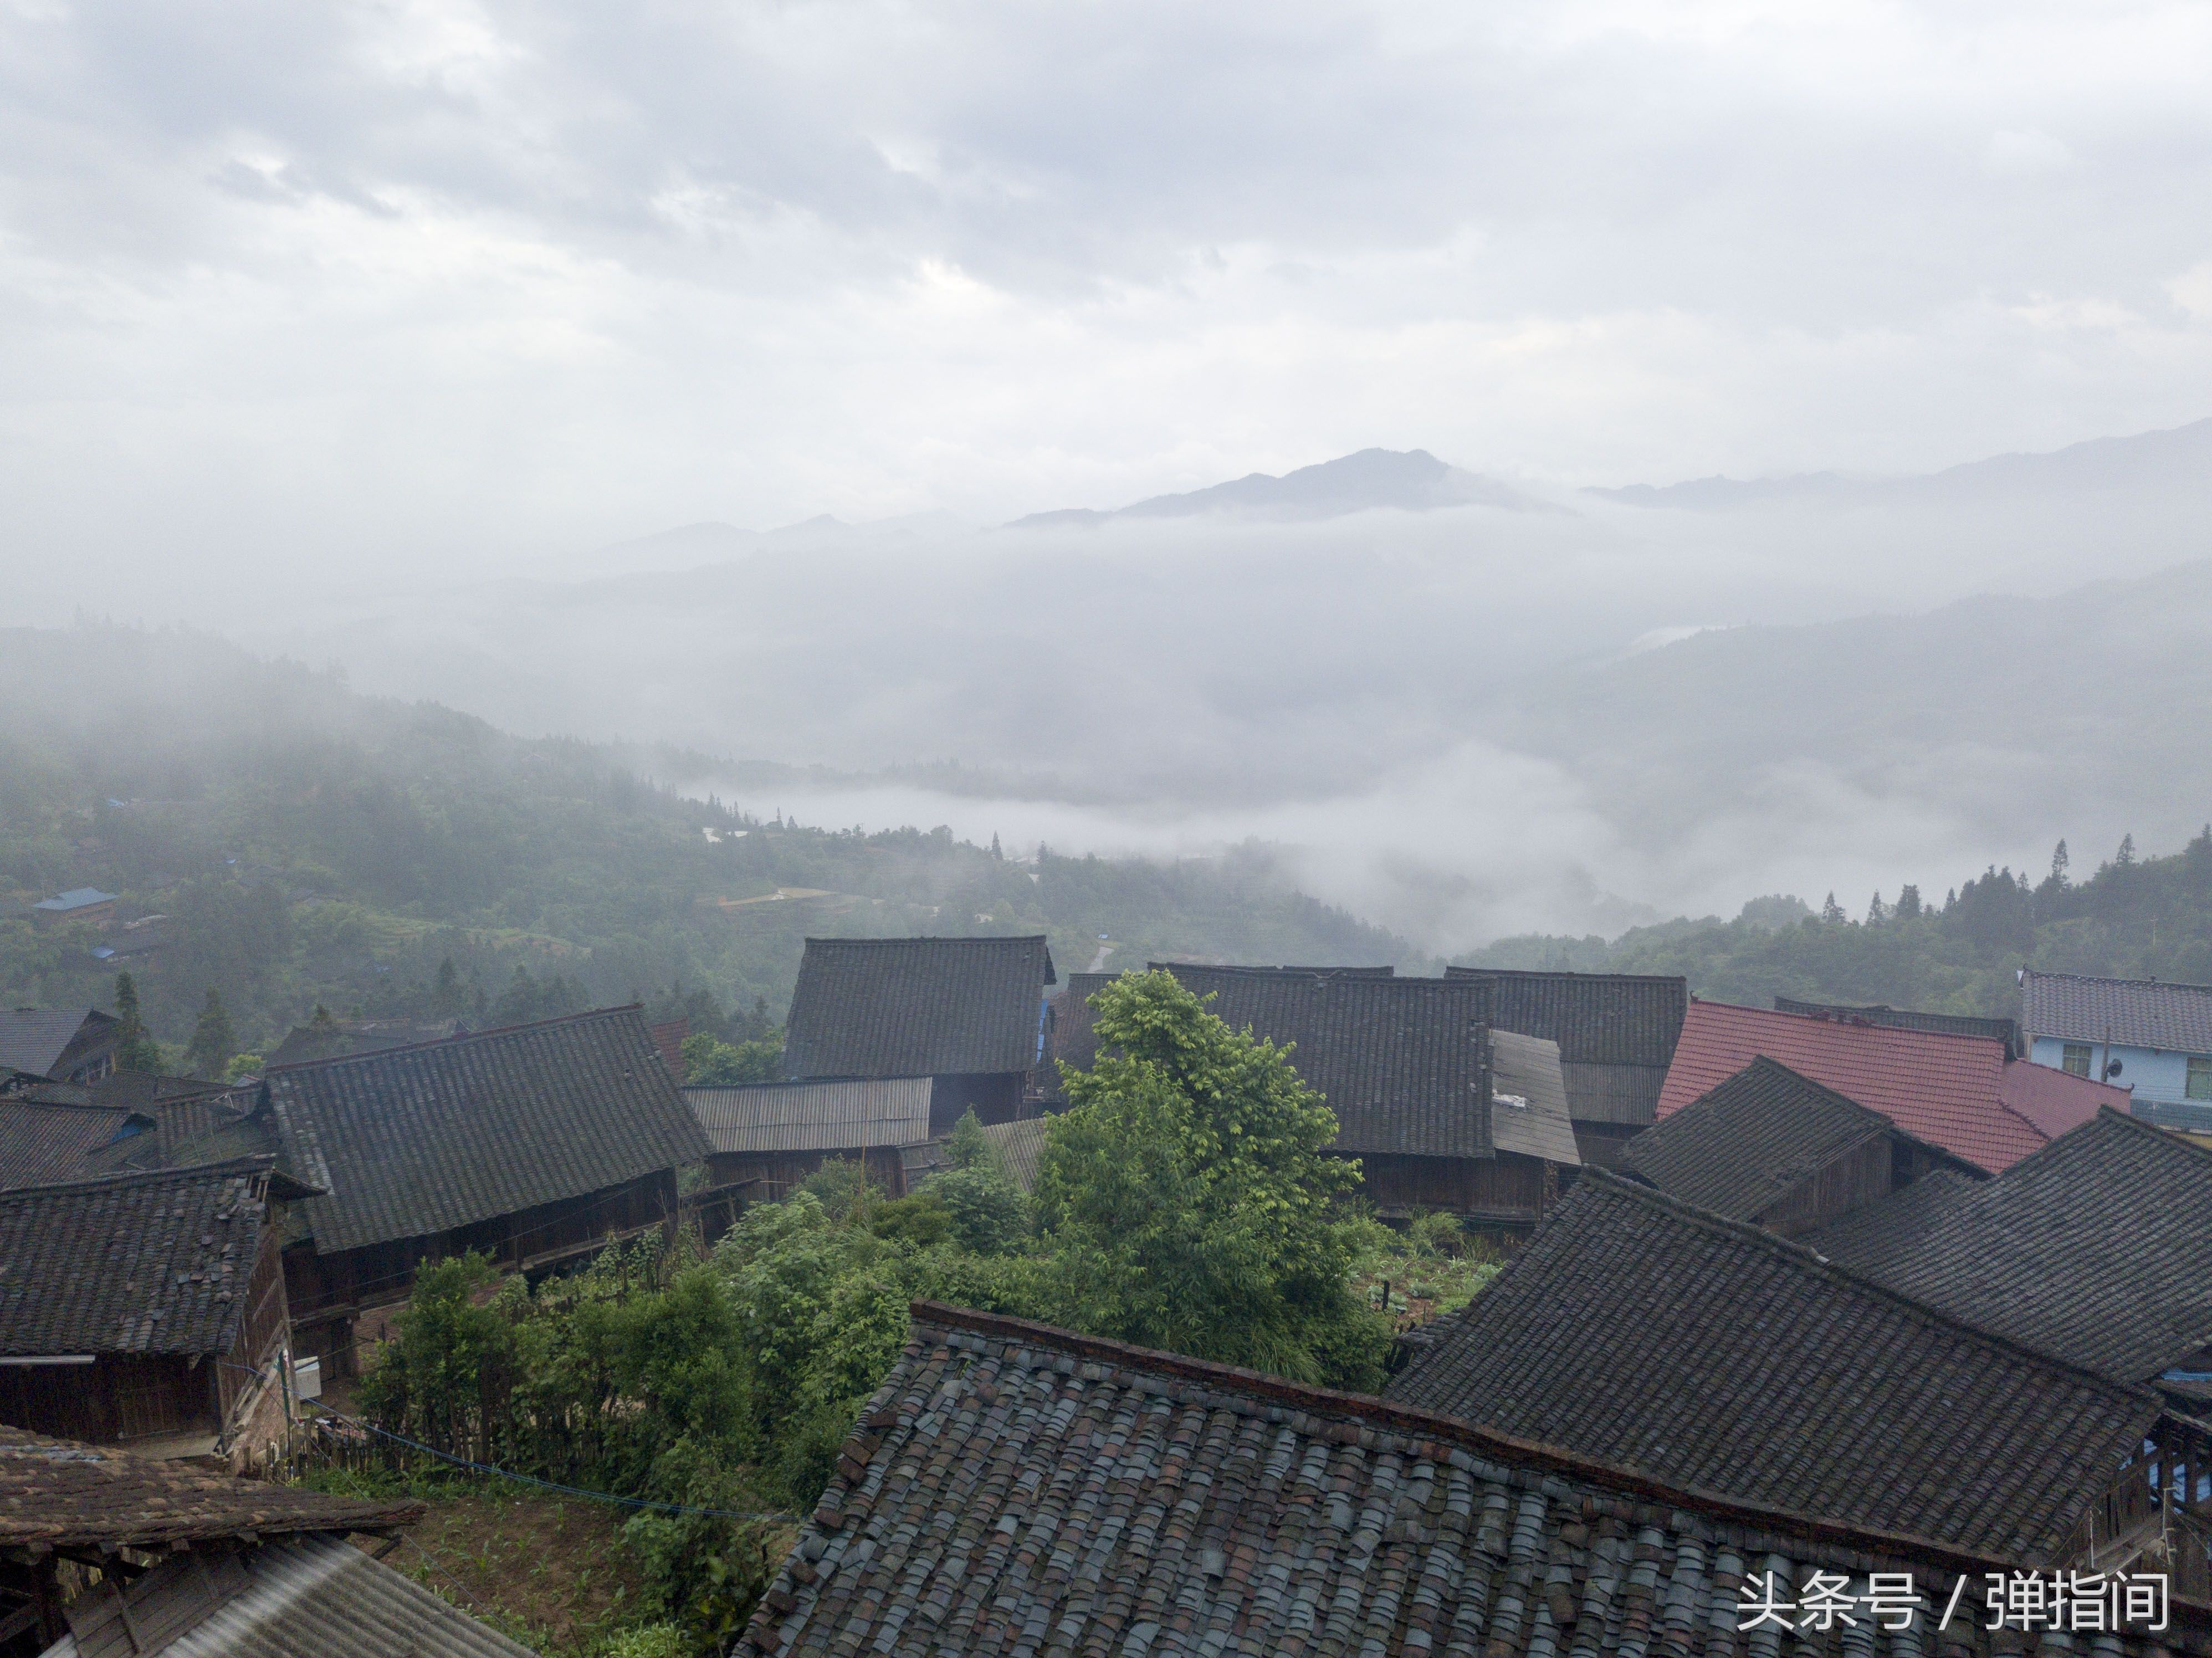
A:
(310, 846)
(2134, 917)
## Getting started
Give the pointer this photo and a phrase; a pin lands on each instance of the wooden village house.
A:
(198, 1564)
(2096, 1249)
(1616, 1034)
(1779, 1151)
(1637, 1329)
(1408, 1066)
(1011, 1485)
(62, 1045)
(768, 1137)
(148, 1309)
(968, 1013)
(537, 1144)
(1961, 1092)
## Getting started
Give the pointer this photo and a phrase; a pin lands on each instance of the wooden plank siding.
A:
(1508, 1190)
(777, 1174)
(329, 1293)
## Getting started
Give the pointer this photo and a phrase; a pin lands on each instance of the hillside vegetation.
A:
(311, 846)
(2139, 917)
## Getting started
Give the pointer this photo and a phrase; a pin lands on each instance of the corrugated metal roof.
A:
(415, 1140)
(817, 1116)
(2133, 1012)
(1942, 1089)
(917, 1008)
(1019, 1144)
(317, 1595)
(1527, 1069)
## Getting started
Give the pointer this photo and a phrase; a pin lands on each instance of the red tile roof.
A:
(2056, 1101)
(1942, 1088)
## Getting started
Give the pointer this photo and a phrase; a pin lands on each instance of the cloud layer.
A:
(351, 290)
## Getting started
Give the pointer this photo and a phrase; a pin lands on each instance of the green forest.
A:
(2133, 917)
(289, 845)
(307, 846)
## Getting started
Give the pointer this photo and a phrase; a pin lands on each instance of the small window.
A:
(2200, 1076)
(2075, 1059)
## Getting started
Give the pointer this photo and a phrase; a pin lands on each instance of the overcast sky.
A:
(426, 285)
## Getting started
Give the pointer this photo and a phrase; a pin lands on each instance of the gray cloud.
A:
(395, 284)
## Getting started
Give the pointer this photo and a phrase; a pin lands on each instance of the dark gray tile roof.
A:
(134, 1264)
(44, 1145)
(825, 1116)
(314, 1594)
(1528, 1099)
(1872, 1240)
(34, 1039)
(1637, 1330)
(1616, 1032)
(2133, 1012)
(1749, 1143)
(1015, 1489)
(60, 1494)
(1596, 1018)
(1404, 1063)
(917, 1008)
(304, 1042)
(415, 1140)
(1950, 1024)
(2097, 1249)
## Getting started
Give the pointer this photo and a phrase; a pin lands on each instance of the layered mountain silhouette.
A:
(2179, 457)
(1410, 481)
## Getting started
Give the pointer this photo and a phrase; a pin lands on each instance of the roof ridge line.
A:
(1603, 1180)
(1417, 1420)
(252, 1162)
(1893, 1030)
(2108, 979)
(943, 939)
(458, 1037)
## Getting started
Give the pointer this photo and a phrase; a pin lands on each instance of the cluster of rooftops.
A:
(1807, 1289)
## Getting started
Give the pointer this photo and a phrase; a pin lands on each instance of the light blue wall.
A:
(2154, 1073)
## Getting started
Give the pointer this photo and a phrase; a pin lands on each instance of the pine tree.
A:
(1908, 903)
(1833, 912)
(997, 856)
(213, 1042)
(135, 1049)
(2058, 862)
(2126, 854)
(1877, 912)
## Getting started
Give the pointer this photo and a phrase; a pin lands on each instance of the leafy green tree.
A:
(136, 1048)
(1188, 1203)
(213, 1042)
(710, 1062)
(242, 1066)
(986, 1210)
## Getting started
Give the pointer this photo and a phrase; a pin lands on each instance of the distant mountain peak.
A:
(1408, 480)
